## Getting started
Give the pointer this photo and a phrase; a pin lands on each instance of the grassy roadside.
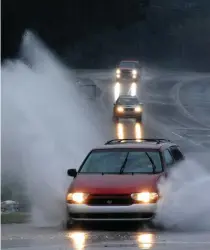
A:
(17, 217)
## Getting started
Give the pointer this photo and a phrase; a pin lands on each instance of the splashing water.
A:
(186, 200)
(47, 127)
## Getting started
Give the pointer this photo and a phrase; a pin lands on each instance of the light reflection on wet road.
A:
(142, 240)
(129, 129)
(111, 237)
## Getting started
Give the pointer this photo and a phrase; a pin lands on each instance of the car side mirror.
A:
(72, 172)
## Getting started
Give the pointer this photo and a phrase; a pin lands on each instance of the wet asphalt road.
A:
(176, 107)
(25, 237)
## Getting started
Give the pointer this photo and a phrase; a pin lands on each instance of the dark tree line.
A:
(62, 23)
(175, 31)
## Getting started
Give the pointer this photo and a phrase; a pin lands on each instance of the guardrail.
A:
(88, 88)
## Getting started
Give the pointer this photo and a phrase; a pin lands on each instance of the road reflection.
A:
(146, 240)
(124, 89)
(117, 89)
(129, 130)
(78, 239)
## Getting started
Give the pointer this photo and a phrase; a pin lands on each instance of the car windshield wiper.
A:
(153, 164)
(124, 163)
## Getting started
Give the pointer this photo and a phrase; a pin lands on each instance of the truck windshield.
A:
(127, 65)
(111, 162)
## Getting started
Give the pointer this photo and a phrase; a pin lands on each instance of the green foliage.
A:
(9, 218)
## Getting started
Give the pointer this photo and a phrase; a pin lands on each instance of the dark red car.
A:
(118, 181)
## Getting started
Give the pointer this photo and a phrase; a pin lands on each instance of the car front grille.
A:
(129, 109)
(109, 200)
(107, 216)
(126, 73)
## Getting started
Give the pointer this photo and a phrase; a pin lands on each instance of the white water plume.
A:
(186, 201)
(47, 127)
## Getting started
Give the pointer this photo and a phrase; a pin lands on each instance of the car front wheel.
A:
(139, 119)
(70, 225)
(115, 119)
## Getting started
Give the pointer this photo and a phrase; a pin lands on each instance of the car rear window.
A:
(109, 161)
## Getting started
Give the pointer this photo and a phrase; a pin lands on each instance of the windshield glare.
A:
(103, 161)
(128, 101)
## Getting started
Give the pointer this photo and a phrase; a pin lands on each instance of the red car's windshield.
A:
(109, 161)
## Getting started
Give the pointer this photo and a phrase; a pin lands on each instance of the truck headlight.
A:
(145, 197)
(76, 197)
(118, 71)
(138, 109)
(134, 71)
(120, 109)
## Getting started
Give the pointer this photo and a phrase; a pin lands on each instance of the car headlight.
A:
(76, 197)
(138, 109)
(120, 109)
(145, 197)
(134, 72)
(118, 71)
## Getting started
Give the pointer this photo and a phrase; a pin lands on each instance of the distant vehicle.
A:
(119, 181)
(127, 106)
(128, 71)
(9, 206)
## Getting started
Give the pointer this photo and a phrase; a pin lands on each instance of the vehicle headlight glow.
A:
(146, 240)
(134, 72)
(145, 197)
(78, 239)
(133, 89)
(118, 71)
(138, 109)
(120, 131)
(76, 197)
(120, 109)
(116, 90)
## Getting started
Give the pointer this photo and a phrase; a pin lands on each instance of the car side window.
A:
(176, 153)
(168, 158)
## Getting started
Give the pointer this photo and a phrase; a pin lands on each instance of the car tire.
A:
(69, 224)
(151, 225)
(147, 225)
(116, 119)
(139, 119)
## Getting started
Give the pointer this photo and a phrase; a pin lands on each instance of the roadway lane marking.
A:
(177, 88)
(199, 129)
(186, 139)
(179, 123)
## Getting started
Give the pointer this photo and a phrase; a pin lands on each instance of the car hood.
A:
(114, 184)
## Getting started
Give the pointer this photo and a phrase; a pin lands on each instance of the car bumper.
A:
(126, 79)
(128, 115)
(135, 212)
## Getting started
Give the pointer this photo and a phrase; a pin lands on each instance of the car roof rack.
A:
(118, 141)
